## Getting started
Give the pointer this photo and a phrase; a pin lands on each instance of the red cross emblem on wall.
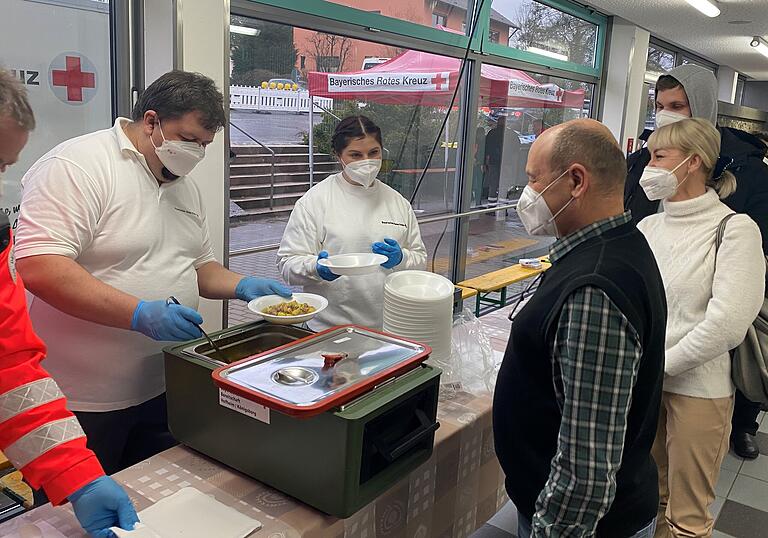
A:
(76, 76)
(438, 80)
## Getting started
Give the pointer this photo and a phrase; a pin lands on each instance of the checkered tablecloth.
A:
(451, 495)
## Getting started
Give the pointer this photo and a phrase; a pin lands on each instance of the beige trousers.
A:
(691, 442)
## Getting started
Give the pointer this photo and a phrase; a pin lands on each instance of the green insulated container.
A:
(333, 419)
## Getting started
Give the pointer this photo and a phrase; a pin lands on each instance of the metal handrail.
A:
(439, 218)
(272, 167)
(327, 111)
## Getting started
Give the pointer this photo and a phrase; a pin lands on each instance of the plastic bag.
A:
(472, 366)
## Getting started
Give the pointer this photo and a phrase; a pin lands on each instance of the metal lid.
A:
(321, 371)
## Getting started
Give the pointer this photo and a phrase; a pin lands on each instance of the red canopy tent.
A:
(421, 78)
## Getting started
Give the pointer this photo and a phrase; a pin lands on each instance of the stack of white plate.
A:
(418, 305)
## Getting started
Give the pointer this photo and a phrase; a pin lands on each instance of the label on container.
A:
(244, 406)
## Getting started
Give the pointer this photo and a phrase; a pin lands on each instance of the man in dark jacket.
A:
(691, 91)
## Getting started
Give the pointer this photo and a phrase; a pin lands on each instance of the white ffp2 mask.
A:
(665, 117)
(363, 172)
(659, 183)
(178, 156)
(534, 212)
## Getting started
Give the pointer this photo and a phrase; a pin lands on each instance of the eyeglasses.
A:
(523, 295)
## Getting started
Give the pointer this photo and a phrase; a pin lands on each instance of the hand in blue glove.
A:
(391, 250)
(323, 271)
(103, 504)
(166, 322)
(251, 287)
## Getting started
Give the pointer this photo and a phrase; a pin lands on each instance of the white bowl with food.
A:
(300, 308)
(353, 264)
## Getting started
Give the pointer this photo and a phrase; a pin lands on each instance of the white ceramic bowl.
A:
(419, 286)
(353, 264)
(260, 303)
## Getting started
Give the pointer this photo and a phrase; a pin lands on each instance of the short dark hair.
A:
(762, 135)
(14, 103)
(177, 93)
(353, 127)
(666, 82)
(594, 149)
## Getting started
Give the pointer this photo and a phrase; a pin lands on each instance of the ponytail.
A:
(725, 184)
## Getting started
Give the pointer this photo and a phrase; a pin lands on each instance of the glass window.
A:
(405, 92)
(507, 127)
(439, 19)
(66, 72)
(700, 63)
(449, 14)
(535, 27)
(659, 60)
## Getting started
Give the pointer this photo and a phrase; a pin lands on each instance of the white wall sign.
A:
(61, 53)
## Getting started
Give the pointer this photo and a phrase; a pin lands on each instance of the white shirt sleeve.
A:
(60, 210)
(738, 290)
(414, 251)
(299, 247)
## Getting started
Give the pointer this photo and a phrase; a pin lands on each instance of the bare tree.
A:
(330, 52)
(539, 25)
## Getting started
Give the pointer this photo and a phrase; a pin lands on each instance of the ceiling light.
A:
(549, 53)
(760, 44)
(243, 30)
(707, 7)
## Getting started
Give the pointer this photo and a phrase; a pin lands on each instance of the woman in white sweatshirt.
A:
(351, 212)
(712, 299)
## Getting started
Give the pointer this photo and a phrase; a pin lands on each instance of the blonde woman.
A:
(712, 299)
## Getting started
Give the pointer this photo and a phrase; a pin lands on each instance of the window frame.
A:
(586, 14)
(326, 16)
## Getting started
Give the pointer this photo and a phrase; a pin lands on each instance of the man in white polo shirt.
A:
(110, 227)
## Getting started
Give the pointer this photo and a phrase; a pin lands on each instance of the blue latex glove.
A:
(391, 250)
(324, 272)
(251, 287)
(166, 322)
(103, 504)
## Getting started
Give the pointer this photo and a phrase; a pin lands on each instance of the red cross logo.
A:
(438, 81)
(74, 78)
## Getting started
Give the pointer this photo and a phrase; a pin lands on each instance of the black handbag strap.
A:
(721, 231)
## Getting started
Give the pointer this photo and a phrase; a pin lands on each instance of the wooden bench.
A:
(497, 282)
(467, 293)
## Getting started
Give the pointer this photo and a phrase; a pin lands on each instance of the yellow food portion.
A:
(292, 308)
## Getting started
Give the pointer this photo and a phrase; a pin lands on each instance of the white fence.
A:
(253, 98)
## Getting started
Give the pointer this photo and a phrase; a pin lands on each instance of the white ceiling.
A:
(715, 39)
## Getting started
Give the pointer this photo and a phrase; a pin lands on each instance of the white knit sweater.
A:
(710, 305)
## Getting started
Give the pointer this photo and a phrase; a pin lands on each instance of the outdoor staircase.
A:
(249, 180)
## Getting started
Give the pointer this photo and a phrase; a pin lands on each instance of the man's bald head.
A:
(591, 144)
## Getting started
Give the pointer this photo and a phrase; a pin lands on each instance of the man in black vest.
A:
(578, 394)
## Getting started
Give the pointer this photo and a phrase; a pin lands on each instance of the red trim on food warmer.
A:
(342, 397)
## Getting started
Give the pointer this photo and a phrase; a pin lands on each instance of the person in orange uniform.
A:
(38, 434)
